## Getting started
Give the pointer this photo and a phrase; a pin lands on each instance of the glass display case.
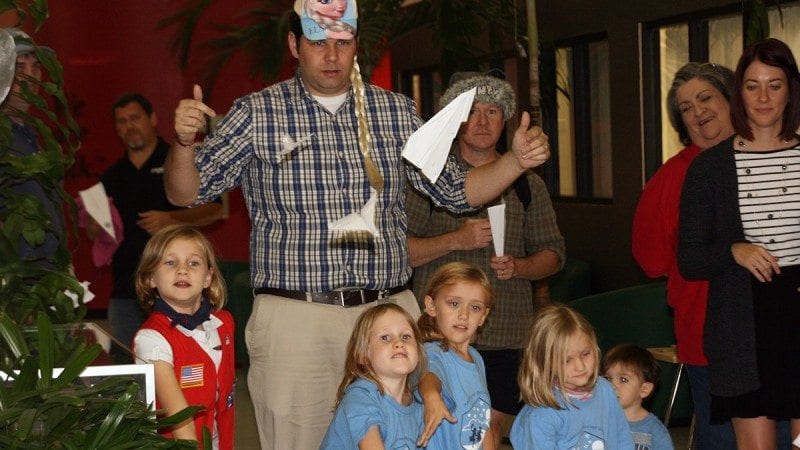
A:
(116, 359)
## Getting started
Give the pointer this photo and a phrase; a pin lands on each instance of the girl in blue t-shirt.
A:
(567, 405)
(375, 408)
(458, 300)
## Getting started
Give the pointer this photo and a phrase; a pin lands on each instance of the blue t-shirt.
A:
(463, 387)
(650, 434)
(596, 423)
(362, 407)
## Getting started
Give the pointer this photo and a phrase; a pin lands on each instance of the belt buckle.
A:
(346, 299)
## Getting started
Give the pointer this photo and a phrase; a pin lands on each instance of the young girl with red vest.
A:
(187, 337)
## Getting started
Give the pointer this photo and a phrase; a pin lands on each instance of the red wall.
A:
(108, 48)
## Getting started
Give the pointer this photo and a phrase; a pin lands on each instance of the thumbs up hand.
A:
(530, 145)
(190, 117)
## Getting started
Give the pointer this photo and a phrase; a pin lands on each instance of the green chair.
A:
(639, 315)
(240, 303)
(573, 281)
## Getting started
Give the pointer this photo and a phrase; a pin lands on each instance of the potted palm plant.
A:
(41, 410)
(30, 285)
(41, 407)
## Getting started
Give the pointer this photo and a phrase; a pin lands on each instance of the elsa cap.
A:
(488, 89)
(323, 19)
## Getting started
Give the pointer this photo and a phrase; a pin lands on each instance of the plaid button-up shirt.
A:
(292, 198)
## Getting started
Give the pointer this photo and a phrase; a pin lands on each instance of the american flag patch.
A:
(191, 376)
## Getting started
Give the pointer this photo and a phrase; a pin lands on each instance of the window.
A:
(580, 135)
(716, 36)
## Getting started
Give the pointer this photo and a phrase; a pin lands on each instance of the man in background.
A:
(28, 71)
(135, 183)
(534, 247)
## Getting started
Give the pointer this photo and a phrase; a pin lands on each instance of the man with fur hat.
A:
(307, 152)
(534, 247)
(28, 72)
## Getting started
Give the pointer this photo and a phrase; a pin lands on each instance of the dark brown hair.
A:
(775, 53)
(132, 97)
(634, 358)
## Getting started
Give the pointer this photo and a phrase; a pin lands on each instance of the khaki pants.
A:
(297, 352)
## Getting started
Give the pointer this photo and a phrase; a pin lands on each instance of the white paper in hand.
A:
(95, 201)
(497, 221)
(360, 221)
(429, 146)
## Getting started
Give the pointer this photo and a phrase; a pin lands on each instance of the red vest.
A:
(199, 379)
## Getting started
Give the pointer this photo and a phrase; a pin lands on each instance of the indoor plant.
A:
(37, 409)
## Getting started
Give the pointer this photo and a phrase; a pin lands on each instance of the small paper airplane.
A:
(288, 144)
(360, 221)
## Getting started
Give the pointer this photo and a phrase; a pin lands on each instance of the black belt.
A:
(346, 298)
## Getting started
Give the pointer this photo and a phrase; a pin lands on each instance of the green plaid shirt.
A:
(528, 231)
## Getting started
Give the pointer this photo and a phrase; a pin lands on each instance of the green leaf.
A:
(12, 336)
(3, 396)
(178, 417)
(45, 348)
(78, 364)
(114, 417)
(25, 423)
(39, 12)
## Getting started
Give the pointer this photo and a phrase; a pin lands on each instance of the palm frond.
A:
(186, 19)
(465, 32)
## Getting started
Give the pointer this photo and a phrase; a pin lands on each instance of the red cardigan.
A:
(655, 243)
(200, 382)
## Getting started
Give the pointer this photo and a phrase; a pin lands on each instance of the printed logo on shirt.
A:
(590, 441)
(475, 423)
(642, 441)
(191, 376)
(157, 170)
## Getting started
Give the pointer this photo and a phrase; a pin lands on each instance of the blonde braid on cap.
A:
(364, 139)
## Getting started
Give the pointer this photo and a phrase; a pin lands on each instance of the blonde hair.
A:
(357, 364)
(364, 137)
(448, 275)
(154, 252)
(544, 358)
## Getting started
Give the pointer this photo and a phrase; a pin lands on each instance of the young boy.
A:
(633, 371)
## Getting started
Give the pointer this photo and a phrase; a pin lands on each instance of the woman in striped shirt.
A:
(740, 229)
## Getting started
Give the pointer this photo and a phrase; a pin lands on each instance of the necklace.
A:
(743, 144)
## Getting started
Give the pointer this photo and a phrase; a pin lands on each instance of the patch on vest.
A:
(191, 376)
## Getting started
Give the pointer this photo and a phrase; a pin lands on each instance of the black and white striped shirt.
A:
(769, 201)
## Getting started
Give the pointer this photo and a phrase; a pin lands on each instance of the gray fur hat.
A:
(489, 90)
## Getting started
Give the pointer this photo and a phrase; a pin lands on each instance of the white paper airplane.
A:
(288, 144)
(429, 146)
(360, 221)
